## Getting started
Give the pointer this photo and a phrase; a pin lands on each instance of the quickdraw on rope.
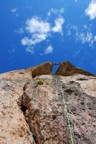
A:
(68, 119)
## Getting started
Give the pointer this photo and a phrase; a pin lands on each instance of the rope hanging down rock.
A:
(68, 119)
(65, 110)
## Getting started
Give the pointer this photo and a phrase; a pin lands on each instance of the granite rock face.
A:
(45, 68)
(67, 69)
(47, 109)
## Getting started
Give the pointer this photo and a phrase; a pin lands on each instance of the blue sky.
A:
(36, 31)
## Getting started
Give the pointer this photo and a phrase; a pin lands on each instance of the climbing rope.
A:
(66, 113)
(68, 119)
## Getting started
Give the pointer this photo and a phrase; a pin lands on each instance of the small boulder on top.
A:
(45, 68)
(67, 69)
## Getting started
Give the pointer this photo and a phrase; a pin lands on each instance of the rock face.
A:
(67, 69)
(47, 109)
(45, 68)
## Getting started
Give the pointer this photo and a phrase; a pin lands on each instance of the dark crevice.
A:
(21, 72)
(35, 138)
(23, 105)
(25, 86)
(82, 79)
(69, 91)
(23, 108)
(24, 101)
(31, 117)
(54, 117)
(71, 82)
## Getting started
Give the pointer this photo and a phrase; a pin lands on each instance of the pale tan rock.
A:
(13, 126)
(33, 110)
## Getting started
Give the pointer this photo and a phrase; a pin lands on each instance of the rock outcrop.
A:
(47, 109)
(67, 69)
(45, 68)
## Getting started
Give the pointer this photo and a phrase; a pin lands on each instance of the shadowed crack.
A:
(32, 117)
(23, 108)
(51, 126)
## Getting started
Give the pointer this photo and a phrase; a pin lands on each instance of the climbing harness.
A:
(66, 113)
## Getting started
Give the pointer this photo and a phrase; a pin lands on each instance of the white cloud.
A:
(55, 11)
(74, 27)
(37, 38)
(30, 50)
(39, 30)
(95, 38)
(91, 10)
(36, 25)
(52, 11)
(14, 10)
(48, 50)
(85, 26)
(26, 41)
(20, 30)
(86, 38)
(68, 33)
(58, 25)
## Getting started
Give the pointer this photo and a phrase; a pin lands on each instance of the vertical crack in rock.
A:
(54, 122)
(43, 109)
(33, 119)
(23, 105)
(32, 116)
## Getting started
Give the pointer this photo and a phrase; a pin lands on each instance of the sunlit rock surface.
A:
(67, 69)
(45, 68)
(33, 109)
